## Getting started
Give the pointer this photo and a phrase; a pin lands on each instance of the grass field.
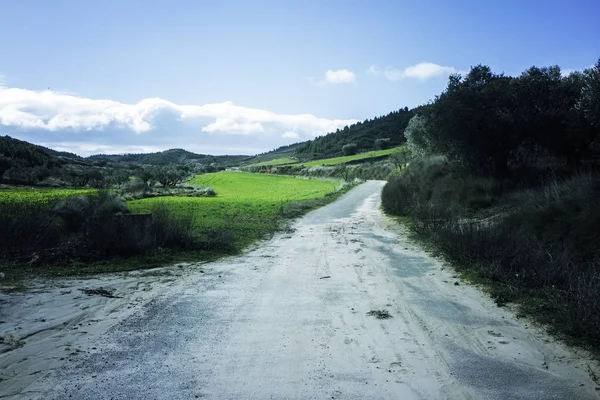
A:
(39, 195)
(345, 159)
(328, 161)
(247, 205)
(277, 161)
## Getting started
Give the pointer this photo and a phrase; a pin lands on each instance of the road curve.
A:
(290, 320)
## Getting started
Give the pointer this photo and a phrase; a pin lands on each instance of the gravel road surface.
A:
(342, 306)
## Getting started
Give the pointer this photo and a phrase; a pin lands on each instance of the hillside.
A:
(171, 156)
(280, 152)
(363, 134)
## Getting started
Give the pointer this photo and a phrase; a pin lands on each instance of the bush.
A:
(432, 183)
(27, 228)
(172, 230)
(539, 245)
(79, 212)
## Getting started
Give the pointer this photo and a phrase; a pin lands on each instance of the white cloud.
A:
(422, 71)
(2, 81)
(52, 117)
(339, 76)
(290, 135)
(232, 126)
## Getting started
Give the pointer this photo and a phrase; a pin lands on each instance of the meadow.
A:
(247, 206)
(277, 161)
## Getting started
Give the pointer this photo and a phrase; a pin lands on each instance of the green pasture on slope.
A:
(328, 161)
(277, 161)
(247, 205)
(345, 159)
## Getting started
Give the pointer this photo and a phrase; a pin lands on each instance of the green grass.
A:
(248, 205)
(39, 195)
(277, 161)
(345, 159)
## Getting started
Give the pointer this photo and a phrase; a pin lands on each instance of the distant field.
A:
(345, 159)
(328, 161)
(277, 161)
(248, 205)
(39, 195)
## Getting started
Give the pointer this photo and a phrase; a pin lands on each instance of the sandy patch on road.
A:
(57, 320)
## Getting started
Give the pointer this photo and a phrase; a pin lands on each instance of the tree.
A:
(416, 136)
(147, 176)
(383, 143)
(473, 121)
(5, 165)
(169, 175)
(350, 149)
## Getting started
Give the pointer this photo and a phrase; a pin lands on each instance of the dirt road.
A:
(304, 317)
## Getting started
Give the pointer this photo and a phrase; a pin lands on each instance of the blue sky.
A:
(247, 76)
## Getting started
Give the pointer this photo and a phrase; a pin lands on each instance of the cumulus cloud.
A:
(339, 76)
(422, 71)
(85, 125)
(290, 135)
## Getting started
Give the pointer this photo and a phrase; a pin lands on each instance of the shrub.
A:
(172, 230)
(541, 243)
(26, 228)
(79, 212)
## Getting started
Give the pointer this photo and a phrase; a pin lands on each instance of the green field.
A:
(277, 161)
(328, 161)
(39, 195)
(345, 159)
(247, 205)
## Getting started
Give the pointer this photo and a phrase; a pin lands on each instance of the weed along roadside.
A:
(66, 234)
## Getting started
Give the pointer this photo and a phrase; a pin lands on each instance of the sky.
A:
(244, 77)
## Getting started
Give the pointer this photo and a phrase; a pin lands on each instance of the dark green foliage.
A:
(350, 149)
(537, 243)
(363, 134)
(5, 164)
(172, 230)
(170, 175)
(76, 212)
(27, 228)
(383, 143)
(172, 156)
(82, 177)
(29, 155)
(166, 175)
(482, 122)
(95, 227)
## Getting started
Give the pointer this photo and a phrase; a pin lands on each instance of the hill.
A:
(363, 134)
(171, 156)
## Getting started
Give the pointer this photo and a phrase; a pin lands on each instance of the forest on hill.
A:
(375, 134)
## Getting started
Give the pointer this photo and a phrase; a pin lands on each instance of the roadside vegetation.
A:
(505, 182)
(70, 232)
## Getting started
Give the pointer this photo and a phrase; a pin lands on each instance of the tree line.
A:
(489, 122)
